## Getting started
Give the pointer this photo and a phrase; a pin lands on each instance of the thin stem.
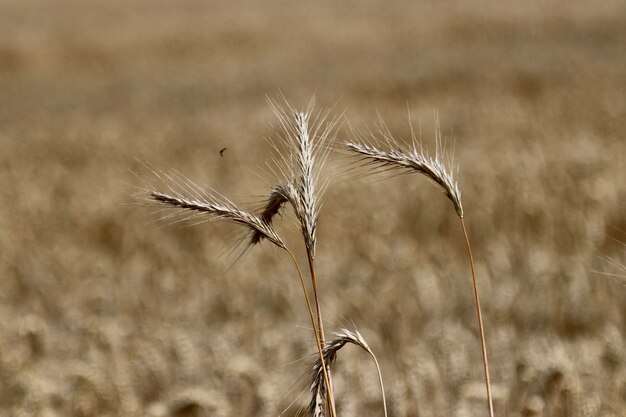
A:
(480, 320)
(382, 386)
(320, 329)
(320, 324)
(317, 338)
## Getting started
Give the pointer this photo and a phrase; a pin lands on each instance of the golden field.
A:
(105, 312)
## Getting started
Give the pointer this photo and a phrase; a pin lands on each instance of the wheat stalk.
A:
(435, 170)
(300, 160)
(341, 338)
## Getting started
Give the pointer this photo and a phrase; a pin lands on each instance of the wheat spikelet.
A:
(272, 207)
(318, 389)
(280, 195)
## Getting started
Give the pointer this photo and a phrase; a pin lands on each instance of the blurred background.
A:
(104, 312)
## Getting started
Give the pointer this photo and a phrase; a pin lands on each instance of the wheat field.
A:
(107, 311)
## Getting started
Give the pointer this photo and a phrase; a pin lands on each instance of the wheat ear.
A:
(341, 338)
(300, 155)
(220, 210)
(435, 170)
(414, 161)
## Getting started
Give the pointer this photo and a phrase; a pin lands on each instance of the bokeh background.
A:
(104, 312)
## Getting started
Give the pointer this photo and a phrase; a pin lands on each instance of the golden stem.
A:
(320, 329)
(480, 321)
(317, 338)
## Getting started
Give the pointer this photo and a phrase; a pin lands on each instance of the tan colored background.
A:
(104, 313)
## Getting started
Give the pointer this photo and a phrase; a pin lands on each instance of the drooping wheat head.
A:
(417, 161)
(339, 340)
(413, 160)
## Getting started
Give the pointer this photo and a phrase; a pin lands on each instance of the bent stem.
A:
(480, 320)
(315, 331)
(320, 329)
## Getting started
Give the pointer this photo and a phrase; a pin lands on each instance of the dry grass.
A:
(101, 314)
